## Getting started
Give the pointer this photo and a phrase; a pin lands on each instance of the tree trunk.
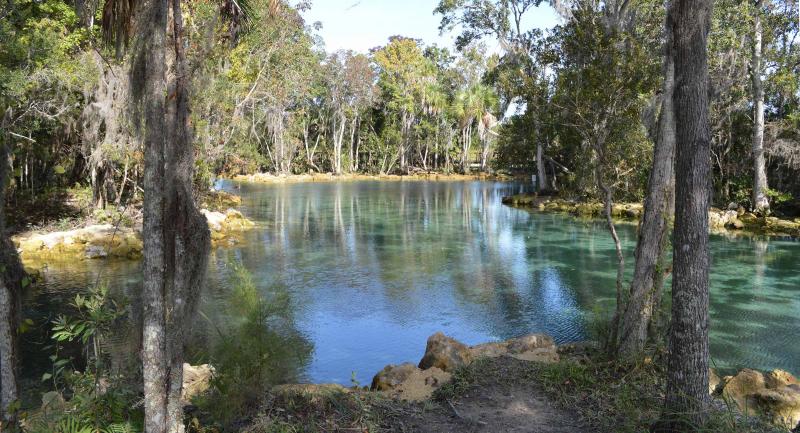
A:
(648, 276)
(11, 276)
(541, 170)
(760, 199)
(176, 236)
(687, 368)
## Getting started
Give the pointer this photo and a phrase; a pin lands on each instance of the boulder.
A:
(445, 353)
(780, 405)
(407, 382)
(196, 380)
(779, 379)
(392, 375)
(741, 388)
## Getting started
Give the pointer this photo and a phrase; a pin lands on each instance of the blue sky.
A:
(359, 25)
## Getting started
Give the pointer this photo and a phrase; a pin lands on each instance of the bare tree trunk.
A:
(686, 397)
(541, 170)
(176, 236)
(648, 276)
(608, 202)
(760, 199)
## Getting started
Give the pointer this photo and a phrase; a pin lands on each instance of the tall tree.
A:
(648, 277)
(760, 200)
(687, 371)
(11, 278)
(175, 233)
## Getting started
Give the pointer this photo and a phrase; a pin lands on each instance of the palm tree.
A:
(471, 105)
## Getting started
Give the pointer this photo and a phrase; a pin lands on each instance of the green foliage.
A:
(256, 349)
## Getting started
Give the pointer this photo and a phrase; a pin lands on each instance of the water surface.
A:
(371, 269)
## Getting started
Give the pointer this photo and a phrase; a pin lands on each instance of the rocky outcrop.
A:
(226, 225)
(774, 395)
(109, 241)
(445, 353)
(409, 382)
(733, 219)
(534, 347)
(93, 242)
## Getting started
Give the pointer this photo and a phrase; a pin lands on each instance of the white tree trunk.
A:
(760, 199)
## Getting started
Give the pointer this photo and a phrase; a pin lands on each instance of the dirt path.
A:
(496, 400)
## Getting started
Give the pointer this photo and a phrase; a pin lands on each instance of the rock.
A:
(735, 224)
(733, 206)
(489, 350)
(445, 353)
(714, 382)
(741, 388)
(534, 347)
(781, 405)
(779, 379)
(196, 380)
(741, 210)
(407, 382)
(531, 342)
(392, 375)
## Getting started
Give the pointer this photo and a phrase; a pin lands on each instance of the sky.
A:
(359, 25)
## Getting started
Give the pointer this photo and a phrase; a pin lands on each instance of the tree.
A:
(760, 200)
(648, 278)
(176, 236)
(687, 366)
(12, 278)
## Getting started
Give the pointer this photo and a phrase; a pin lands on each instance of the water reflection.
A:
(371, 269)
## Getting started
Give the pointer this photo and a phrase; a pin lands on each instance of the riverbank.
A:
(526, 384)
(730, 221)
(330, 177)
(117, 235)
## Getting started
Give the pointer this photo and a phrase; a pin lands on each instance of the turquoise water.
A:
(371, 269)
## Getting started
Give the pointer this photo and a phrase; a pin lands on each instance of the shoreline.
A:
(268, 178)
(454, 383)
(725, 222)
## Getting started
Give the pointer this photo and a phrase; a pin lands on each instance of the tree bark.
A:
(11, 276)
(648, 276)
(760, 199)
(686, 397)
(176, 235)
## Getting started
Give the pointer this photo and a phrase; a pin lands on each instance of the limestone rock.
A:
(530, 342)
(407, 382)
(196, 380)
(392, 375)
(741, 388)
(780, 405)
(445, 353)
(779, 379)
(489, 350)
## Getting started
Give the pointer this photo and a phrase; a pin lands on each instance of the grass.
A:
(328, 411)
(627, 397)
